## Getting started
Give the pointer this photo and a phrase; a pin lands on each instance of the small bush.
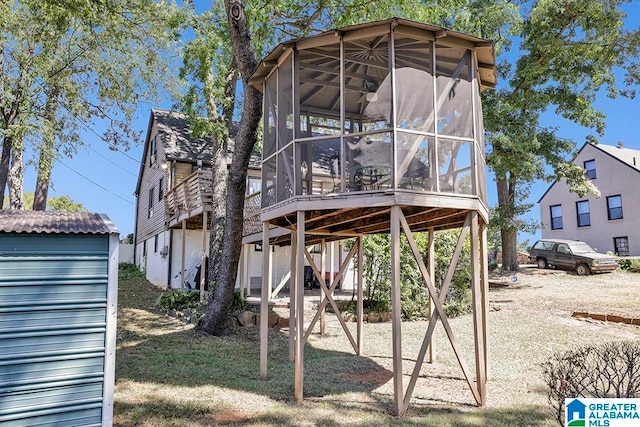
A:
(631, 265)
(127, 270)
(602, 371)
(239, 302)
(179, 300)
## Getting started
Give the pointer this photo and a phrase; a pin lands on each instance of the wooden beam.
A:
(323, 271)
(203, 258)
(396, 325)
(478, 318)
(182, 260)
(484, 285)
(299, 350)
(431, 265)
(360, 307)
(292, 297)
(439, 313)
(264, 303)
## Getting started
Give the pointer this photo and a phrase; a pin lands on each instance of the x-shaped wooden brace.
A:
(438, 300)
(328, 299)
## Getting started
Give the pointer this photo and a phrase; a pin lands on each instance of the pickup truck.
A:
(571, 255)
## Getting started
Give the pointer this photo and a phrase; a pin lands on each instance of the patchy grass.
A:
(168, 376)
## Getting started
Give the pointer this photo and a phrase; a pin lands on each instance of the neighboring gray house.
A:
(610, 222)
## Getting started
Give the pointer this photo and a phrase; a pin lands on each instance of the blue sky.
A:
(104, 180)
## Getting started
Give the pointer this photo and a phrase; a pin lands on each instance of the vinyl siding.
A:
(147, 227)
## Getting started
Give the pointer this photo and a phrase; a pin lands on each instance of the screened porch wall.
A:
(356, 114)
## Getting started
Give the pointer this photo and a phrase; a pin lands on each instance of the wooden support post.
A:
(299, 351)
(248, 260)
(484, 286)
(203, 260)
(242, 271)
(323, 270)
(396, 320)
(478, 318)
(360, 308)
(292, 297)
(264, 303)
(182, 265)
(431, 265)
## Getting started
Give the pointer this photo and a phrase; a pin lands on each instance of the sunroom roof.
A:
(484, 49)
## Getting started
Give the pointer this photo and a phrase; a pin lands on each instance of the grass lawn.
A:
(168, 376)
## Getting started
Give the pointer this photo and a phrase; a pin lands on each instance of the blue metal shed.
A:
(58, 302)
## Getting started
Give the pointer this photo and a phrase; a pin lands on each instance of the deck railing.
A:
(252, 222)
(191, 194)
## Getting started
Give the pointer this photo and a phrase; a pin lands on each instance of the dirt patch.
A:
(377, 377)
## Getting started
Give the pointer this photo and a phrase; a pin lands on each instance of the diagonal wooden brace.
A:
(439, 313)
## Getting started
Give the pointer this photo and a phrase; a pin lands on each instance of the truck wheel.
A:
(582, 270)
(542, 263)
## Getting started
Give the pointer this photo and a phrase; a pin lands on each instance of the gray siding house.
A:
(609, 222)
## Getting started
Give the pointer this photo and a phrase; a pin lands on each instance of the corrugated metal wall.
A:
(53, 312)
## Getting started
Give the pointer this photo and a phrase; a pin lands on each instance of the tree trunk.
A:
(4, 166)
(45, 159)
(16, 177)
(508, 231)
(214, 320)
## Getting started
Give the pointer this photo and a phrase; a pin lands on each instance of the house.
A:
(173, 199)
(608, 222)
(576, 410)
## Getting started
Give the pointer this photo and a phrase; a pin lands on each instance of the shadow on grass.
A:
(156, 350)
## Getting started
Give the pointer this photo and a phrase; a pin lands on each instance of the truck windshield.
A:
(581, 248)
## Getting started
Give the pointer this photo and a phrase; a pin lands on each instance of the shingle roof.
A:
(55, 222)
(175, 133)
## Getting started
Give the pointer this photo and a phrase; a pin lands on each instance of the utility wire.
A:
(111, 161)
(93, 182)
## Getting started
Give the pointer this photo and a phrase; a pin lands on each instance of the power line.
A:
(111, 161)
(93, 182)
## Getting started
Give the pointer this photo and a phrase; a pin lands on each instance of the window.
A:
(144, 248)
(590, 169)
(155, 244)
(253, 185)
(556, 217)
(584, 216)
(614, 207)
(161, 189)
(563, 248)
(153, 149)
(621, 246)
(150, 208)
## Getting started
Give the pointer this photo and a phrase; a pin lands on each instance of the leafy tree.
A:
(64, 64)
(269, 23)
(569, 52)
(63, 203)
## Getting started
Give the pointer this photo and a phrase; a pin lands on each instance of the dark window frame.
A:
(150, 208)
(618, 249)
(155, 244)
(590, 172)
(610, 214)
(583, 219)
(153, 151)
(554, 222)
(161, 189)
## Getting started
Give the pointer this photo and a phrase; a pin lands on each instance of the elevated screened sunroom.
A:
(382, 107)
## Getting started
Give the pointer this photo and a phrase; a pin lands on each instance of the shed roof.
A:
(13, 221)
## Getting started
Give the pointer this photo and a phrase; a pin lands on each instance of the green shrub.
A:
(595, 371)
(179, 300)
(239, 301)
(631, 265)
(128, 270)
